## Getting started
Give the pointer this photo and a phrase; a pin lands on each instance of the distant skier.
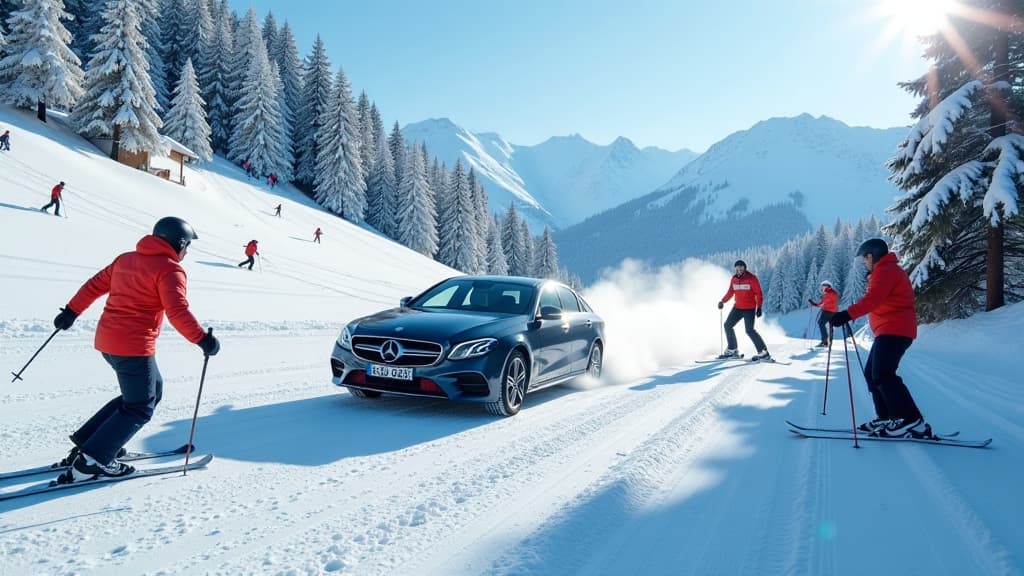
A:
(277, 211)
(55, 198)
(316, 235)
(272, 180)
(5, 140)
(889, 302)
(142, 286)
(251, 250)
(247, 166)
(829, 305)
(747, 289)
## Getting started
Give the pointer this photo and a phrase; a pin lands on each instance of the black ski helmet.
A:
(874, 246)
(175, 232)
(740, 263)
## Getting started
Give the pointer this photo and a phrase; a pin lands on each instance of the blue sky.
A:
(669, 73)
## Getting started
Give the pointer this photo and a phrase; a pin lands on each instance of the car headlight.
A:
(345, 340)
(472, 349)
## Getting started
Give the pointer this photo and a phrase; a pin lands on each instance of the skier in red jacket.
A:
(316, 235)
(747, 290)
(55, 198)
(251, 249)
(829, 305)
(889, 301)
(141, 286)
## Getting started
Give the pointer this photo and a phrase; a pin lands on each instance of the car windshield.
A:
(477, 296)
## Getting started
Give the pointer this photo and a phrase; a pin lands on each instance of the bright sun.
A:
(913, 18)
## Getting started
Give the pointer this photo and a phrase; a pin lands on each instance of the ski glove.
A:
(840, 318)
(757, 312)
(65, 319)
(721, 305)
(210, 345)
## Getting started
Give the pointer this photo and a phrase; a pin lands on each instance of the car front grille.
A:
(396, 351)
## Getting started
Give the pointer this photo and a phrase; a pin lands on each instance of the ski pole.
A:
(849, 382)
(721, 329)
(828, 370)
(18, 375)
(195, 415)
(856, 349)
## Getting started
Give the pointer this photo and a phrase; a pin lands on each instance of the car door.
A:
(579, 329)
(552, 355)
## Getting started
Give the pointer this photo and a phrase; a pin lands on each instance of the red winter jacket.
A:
(747, 290)
(889, 300)
(829, 300)
(142, 286)
(55, 193)
(250, 248)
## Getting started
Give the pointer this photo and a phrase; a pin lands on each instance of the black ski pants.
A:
(735, 315)
(823, 319)
(891, 397)
(53, 203)
(250, 261)
(114, 425)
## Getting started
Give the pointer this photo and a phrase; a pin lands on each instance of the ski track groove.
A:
(988, 555)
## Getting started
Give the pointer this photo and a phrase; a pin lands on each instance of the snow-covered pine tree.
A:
(483, 218)
(381, 192)
(960, 168)
(496, 263)
(338, 184)
(367, 145)
(289, 64)
(270, 32)
(149, 24)
(417, 218)
(377, 125)
(119, 99)
(214, 75)
(774, 289)
(516, 255)
(457, 241)
(317, 89)
(856, 283)
(197, 31)
(546, 258)
(529, 248)
(258, 129)
(174, 17)
(398, 151)
(186, 119)
(38, 68)
(817, 251)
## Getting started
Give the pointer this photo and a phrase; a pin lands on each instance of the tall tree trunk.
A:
(115, 142)
(41, 110)
(994, 273)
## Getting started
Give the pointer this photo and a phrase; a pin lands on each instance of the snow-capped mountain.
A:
(757, 186)
(558, 182)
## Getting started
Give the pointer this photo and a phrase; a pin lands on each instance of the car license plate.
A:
(393, 372)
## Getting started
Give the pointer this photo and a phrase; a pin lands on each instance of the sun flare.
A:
(914, 18)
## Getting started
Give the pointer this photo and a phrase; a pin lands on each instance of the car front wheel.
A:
(515, 380)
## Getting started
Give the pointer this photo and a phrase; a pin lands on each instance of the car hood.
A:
(434, 325)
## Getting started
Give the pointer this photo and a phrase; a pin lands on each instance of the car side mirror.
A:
(550, 313)
(404, 302)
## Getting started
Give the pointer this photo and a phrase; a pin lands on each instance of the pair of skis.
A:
(58, 467)
(950, 439)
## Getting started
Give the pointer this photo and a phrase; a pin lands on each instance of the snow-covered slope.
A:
(558, 182)
(666, 467)
(756, 187)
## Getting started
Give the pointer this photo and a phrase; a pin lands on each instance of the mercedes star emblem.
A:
(390, 351)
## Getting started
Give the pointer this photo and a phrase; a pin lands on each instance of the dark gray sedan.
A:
(487, 339)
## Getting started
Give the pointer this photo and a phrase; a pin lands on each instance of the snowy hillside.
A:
(666, 467)
(760, 186)
(558, 182)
